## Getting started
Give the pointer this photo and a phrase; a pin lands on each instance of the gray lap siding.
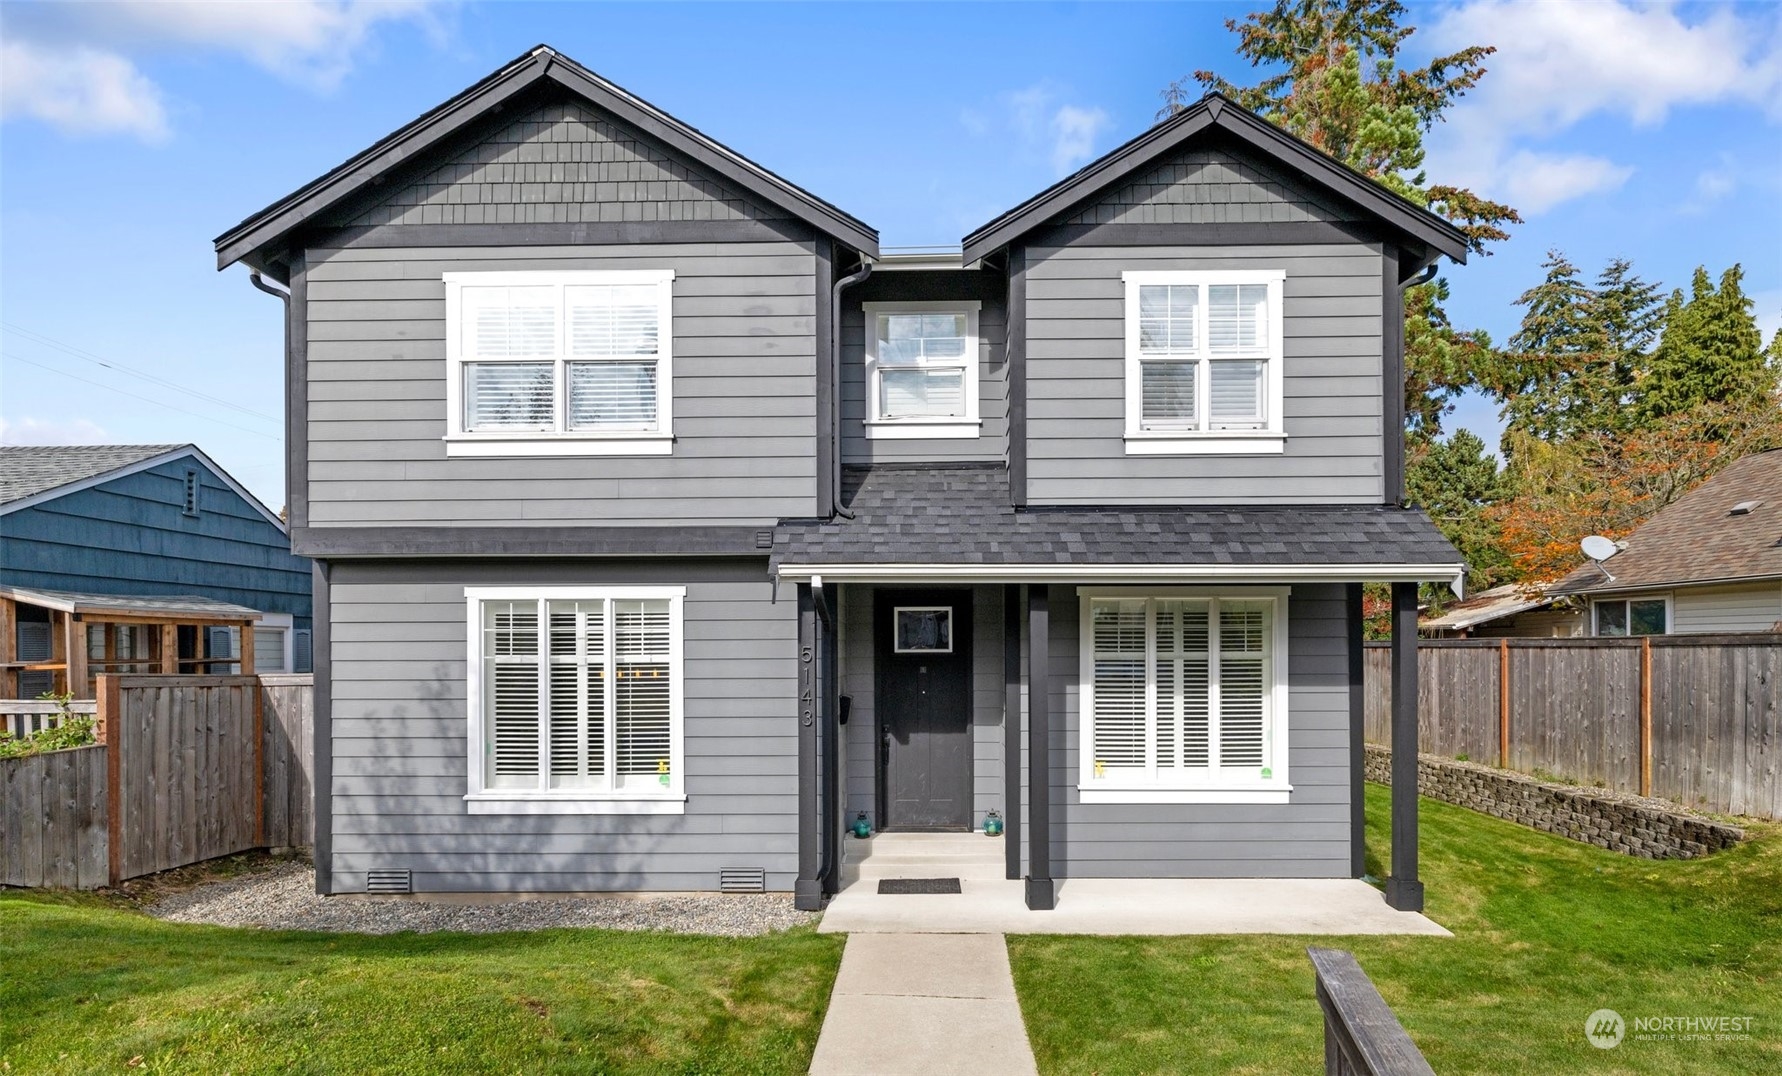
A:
(1307, 837)
(1075, 380)
(744, 394)
(400, 752)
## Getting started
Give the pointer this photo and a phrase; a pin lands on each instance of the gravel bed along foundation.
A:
(284, 898)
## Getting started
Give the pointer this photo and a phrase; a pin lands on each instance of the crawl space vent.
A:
(742, 879)
(388, 881)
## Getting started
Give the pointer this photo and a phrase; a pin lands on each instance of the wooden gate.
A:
(184, 769)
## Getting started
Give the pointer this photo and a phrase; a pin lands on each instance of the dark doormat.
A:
(918, 885)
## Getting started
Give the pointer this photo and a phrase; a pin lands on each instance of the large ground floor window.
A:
(1184, 696)
(575, 699)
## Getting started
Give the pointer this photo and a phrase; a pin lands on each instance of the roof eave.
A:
(1215, 110)
(264, 229)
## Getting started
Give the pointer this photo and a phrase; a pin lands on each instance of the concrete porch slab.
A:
(1134, 906)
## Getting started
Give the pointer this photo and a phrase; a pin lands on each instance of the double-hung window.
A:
(575, 700)
(922, 369)
(1184, 696)
(559, 363)
(1203, 362)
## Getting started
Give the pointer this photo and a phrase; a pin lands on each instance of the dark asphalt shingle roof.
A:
(27, 470)
(962, 515)
(1697, 539)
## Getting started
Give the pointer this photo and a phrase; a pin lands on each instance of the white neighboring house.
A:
(1711, 562)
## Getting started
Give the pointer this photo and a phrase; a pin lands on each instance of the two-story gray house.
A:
(663, 523)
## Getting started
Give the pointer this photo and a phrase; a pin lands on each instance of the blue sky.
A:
(133, 133)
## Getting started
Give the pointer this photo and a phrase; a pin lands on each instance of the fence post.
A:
(1645, 715)
(259, 760)
(111, 721)
(1503, 703)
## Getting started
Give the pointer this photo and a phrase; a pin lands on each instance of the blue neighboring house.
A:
(83, 525)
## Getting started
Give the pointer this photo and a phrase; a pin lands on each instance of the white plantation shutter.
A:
(578, 693)
(1118, 638)
(511, 705)
(611, 321)
(509, 396)
(509, 323)
(921, 361)
(642, 696)
(1243, 683)
(612, 395)
(1181, 690)
(1200, 356)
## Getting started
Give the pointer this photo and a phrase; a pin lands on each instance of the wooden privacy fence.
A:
(189, 768)
(1692, 718)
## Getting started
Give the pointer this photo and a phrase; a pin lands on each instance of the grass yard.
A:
(85, 987)
(1546, 931)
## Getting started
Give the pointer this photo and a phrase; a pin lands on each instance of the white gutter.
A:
(1452, 574)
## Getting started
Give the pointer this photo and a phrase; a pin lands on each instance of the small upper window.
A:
(924, 629)
(559, 363)
(193, 487)
(1203, 362)
(1640, 616)
(922, 369)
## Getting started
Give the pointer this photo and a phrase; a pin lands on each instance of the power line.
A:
(99, 360)
(134, 396)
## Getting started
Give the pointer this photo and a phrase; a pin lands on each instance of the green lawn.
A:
(89, 988)
(1546, 931)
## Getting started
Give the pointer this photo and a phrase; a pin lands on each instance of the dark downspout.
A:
(255, 279)
(835, 364)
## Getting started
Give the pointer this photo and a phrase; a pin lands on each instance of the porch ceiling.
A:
(957, 523)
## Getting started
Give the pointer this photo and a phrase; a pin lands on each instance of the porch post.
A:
(1011, 728)
(1040, 893)
(830, 808)
(1357, 729)
(808, 891)
(1403, 890)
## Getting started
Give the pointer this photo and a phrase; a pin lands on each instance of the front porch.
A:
(1163, 705)
(990, 903)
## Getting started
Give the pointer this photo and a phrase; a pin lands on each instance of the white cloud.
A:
(1074, 130)
(1558, 64)
(38, 431)
(73, 66)
(82, 91)
(1065, 133)
(1536, 182)
(1714, 183)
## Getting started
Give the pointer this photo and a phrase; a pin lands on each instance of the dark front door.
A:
(922, 658)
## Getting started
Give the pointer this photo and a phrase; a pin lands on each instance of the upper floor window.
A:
(922, 369)
(1203, 362)
(559, 363)
(575, 700)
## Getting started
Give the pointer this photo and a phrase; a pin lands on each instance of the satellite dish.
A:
(1598, 548)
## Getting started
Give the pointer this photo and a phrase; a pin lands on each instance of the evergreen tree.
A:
(1457, 482)
(1709, 352)
(1335, 82)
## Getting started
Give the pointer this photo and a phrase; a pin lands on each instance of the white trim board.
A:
(1452, 574)
(182, 452)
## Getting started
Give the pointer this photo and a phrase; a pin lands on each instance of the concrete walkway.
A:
(924, 1004)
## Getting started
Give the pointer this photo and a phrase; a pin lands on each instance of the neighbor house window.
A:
(1203, 362)
(564, 363)
(1633, 616)
(922, 369)
(1184, 696)
(575, 700)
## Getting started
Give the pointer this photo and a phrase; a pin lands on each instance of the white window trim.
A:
(885, 429)
(483, 800)
(278, 622)
(1670, 614)
(1091, 789)
(462, 442)
(1272, 438)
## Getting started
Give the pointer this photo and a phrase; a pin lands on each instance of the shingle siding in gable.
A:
(557, 163)
(1210, 186)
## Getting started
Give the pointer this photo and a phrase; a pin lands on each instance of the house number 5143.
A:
(806, 673)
